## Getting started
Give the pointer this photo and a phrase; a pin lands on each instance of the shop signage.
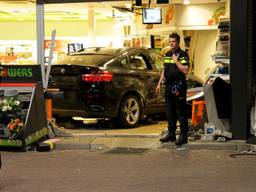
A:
(59, 45)
(20, 73)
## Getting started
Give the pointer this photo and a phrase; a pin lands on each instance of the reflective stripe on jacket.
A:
(182, 60)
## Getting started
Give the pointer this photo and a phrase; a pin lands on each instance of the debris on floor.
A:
(56, 130)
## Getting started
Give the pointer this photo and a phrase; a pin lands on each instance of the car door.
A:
(157, 102)
(149, 77)
(157, 64)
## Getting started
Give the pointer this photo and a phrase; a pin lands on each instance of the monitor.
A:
(162, 1)
(152, 16)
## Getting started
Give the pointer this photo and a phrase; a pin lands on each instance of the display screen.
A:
(152, 16)
(162, 1)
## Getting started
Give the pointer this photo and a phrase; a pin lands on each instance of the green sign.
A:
(16, 72)
(20, 73)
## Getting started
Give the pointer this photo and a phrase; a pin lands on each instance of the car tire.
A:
(129, 112)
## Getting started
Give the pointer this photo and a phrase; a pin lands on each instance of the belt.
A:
(175, 87)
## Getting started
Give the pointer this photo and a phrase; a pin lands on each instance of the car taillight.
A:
(104, 76)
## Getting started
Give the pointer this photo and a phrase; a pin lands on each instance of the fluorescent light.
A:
(186, 2)
(15, 11)
(84, 17)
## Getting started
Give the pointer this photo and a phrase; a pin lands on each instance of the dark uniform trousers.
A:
(176, 108)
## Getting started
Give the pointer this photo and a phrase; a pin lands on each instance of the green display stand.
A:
(30, 93)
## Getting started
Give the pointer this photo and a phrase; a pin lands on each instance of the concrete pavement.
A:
(145, 136)
(105, 143)
(149, 171)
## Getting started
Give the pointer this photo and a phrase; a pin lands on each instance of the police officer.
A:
(176, 67)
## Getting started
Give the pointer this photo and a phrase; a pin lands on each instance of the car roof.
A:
(98, 55)
(107, 50)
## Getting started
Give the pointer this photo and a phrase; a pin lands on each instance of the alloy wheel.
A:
(132, 111)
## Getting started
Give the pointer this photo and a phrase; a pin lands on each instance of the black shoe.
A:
(168, 138)
(181, 141)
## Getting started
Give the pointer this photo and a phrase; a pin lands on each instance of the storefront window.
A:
(18, 33)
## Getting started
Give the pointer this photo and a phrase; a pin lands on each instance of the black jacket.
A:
(171, 71)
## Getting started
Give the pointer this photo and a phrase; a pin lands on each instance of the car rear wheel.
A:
(130, 112)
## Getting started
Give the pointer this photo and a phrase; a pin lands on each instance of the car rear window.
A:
(86, 59)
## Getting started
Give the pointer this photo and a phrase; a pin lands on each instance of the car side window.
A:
(125, 62)
(157, 60)
(137, 62)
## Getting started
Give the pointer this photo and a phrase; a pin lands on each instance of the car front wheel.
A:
(130, 112)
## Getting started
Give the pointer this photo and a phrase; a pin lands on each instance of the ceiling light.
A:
(186, 2)
(84, 17)
(15, 11)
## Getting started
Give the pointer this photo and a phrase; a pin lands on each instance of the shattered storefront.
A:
(242, 75)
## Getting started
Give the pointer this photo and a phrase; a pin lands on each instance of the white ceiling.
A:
(29, 5)
(105, 8)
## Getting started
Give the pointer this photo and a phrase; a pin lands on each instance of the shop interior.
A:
(203, 26)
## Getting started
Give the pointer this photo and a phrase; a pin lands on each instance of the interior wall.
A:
(185, 17)
(227, 8)
(197, 15)
(205, 46)
(18, 31)
(190, 16)
(12, 30)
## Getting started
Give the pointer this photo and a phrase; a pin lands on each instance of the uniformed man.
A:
(176, 67)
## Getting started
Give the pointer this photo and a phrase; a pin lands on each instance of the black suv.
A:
(107, 83)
